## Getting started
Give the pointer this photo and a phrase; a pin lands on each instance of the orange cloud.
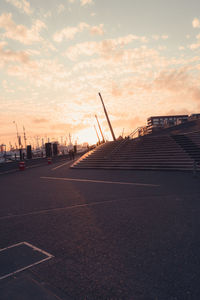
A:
(97, 30)
(104, 48)
(196, 23)
(20, 32)
(174, 80)
(85, 2)
(40, 120)
(69, 33)
(7, 56)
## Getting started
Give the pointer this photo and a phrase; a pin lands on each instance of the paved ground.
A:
(109, 239)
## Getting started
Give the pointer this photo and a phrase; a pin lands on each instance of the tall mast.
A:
(110, 126)
(100, 129)
(70, 141)
(24, 136)
(97, 133)
(18, 136)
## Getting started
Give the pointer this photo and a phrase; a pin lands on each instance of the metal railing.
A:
(132, 134)
(117, 148)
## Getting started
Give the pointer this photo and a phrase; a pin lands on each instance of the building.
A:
(142, 131)
(156, 123)
(194, 116)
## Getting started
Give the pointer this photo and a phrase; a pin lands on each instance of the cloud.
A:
(41, 72)
(40, 120)
(47, 14)
(124, 122)
(7, 56)
(196, 23)
(69, 33)
(178, 82)
(22, 5)
(164, 37)
(196, 45)
(195, 93)
(97, 30)
(104, 48)
(155, 37)
(173, 80)
(158, 37)
(20, 32)
(61, 8)
(85, 2)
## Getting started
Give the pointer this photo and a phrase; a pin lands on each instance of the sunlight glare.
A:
(87, 135)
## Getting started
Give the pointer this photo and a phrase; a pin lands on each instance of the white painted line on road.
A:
(49, 256)
(8, 172)
(66, 163)
(100, 181)
(46, 211)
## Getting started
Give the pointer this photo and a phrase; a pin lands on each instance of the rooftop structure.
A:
(158, 122)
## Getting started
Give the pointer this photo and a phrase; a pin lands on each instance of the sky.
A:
(57, 55)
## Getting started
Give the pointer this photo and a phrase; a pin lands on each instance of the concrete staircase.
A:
(195, 137)
(144, 153)
(188, 145)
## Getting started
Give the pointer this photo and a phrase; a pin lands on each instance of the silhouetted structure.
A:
(29, 152)
(48, 149)
(159, 122)
(108, 120)
(103, 140)
(55, 149)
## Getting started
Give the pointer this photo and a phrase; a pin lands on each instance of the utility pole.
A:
(97, 133)
(123, 132)
(100, 129)
(24, 137)
(19, 141)
(18, 137)
(70, 140)
(110, 126)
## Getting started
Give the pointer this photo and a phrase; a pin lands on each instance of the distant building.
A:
(142, 131)
(194, 116)
(158, 122)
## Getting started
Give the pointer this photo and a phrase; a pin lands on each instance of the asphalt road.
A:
(112, 234)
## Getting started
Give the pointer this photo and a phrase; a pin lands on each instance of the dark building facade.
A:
(158, 122)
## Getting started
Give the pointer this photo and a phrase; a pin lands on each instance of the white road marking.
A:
(46, 211)
(67, 163)
(8, 172)
(29, 266)
(100, 181)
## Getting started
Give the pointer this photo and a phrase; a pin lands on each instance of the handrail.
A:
(117, 148)
(134, 132)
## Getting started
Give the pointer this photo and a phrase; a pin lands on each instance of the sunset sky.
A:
(56, 55)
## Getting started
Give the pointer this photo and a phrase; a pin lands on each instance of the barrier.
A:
(22, 165)
(49, 160)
